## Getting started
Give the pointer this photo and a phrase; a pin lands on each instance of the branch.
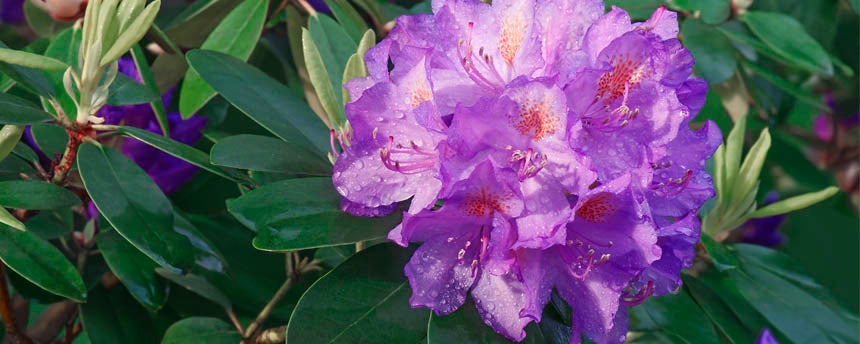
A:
(7, 312)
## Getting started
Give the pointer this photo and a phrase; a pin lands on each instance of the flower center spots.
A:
(484, 202)
(536, 119)
(418, 96)
(597, 209)
(511, 37)
(625, 75)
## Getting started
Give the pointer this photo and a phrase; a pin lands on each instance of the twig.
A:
(282, 291)
(6, 311)
(272, 336)
(234, 320)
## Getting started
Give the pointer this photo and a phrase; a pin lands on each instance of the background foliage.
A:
(256, 239)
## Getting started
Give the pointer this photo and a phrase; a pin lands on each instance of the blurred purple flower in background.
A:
(763, 231)
(11, 11)
(544, 145)
(766, 337)
(167, 171)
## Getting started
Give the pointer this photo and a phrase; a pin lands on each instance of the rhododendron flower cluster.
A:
(542, 145)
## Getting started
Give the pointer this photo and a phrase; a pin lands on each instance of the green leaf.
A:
(286, 218)
(30, 60)
(786, 86)
(112, 316)
(734, 150)
(709, 11)
(52, 224)
(327, 47)
(354, 303)
(133, 34)
(269, 103)
(789, 40)
(748, 176)
(148, 79)
(20, 111)
(676, 316)
(236, 35)
(794, 203)
(352, 22)
(134, 269)
(780, 301)
(134, 205)
(267, 154)
(51, 139)
(10, 135)
(191, 27)
(125, 91)
(714, 53)
(36, 195)
(198, 285)
(200, 330)
(32, 80)
(321, 80)
(10, 220)
(720, 313)
(41, 22)
(40, 263)
(182, 151)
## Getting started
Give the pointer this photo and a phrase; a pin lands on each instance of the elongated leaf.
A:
(354, 304)
(714, 53)
(236, 35)
(348, 18)
(269, 103)
(180, 150)
(10, 135)
(720, 314)
(286, 219)
(748, 175)
(200, 330)
(133, 34)
(794, 203)
(465, 326)
(327, 47)
(786, 86)
(40, 263)
(198, 285)
(670, 316)
(134, 269)
(10, 220)
(20, 111)
(37, 195)
(191, 27)
(790, 40)
(321, 80)
(52, 224)
(148, 79)
(30, 60)
(267, 154)
(134, 205)
(112, 316)
(125, 91)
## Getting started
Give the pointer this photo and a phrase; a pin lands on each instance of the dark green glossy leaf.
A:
(638, 9)
(125, 91)
(780, 302)
(236, 36)
(207, 258)
(51, 139)
(51, 224)
(20, 111)
(366, 299)
(674, 316)
(40, 263)
(191, 27)
(714, 53)
(182, 151)
(790, 41)
(134, 205)
(198, 285)
(267, 154)
(352, 22)
(32, 80)
(34, 194)
(708, 11)
(269, 103)
(785, 85)
(148, 79)
(133, 268)
(721, 315)
(200, 330)
(112, 316)
(286, 219)
(720, 255)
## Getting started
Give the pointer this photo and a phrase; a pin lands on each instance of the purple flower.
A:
(168, 172)
(542, 145)
(11, 11)
(766, 337)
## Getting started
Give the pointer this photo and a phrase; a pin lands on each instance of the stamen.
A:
(631, 300)
(472, 69)
(407, 160)
(672, 187)
(527, 163)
